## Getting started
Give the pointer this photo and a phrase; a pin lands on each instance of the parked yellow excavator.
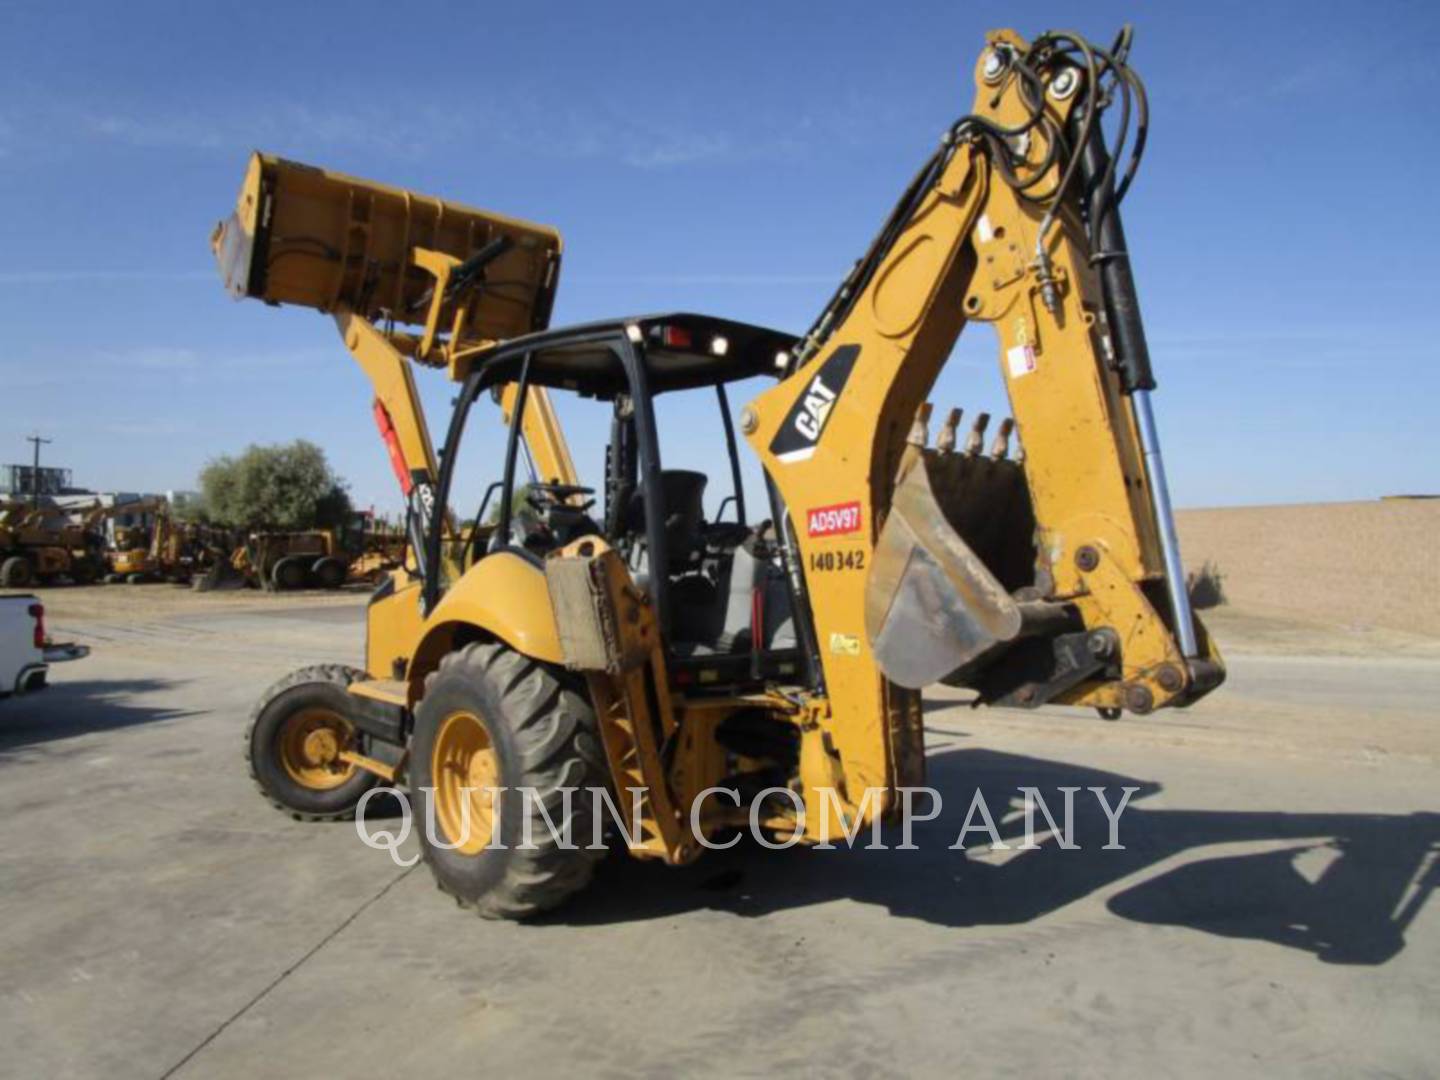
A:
(168, 550)
(689, 674)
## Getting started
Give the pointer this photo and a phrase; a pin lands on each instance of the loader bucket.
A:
(321, 239)
(218, 577)
(931, 604)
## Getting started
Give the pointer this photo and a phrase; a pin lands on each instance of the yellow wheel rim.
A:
(464, 758)
(311, 743)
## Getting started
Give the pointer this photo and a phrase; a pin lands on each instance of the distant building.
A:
(57, 489)
(182, 499)
(17, 480)
(78, 503)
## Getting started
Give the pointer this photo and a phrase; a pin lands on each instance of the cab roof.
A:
(681, 351)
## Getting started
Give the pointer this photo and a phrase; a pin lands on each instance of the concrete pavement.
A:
(1269, 914)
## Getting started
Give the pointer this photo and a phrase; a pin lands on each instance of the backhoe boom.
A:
(982, 237)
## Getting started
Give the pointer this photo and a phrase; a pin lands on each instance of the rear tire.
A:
(329, 572)
(290, 744)
(289, 573)
(16, 572)
(540, 734)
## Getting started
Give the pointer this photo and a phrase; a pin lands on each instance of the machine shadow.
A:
(1354, 911)
(66, 709)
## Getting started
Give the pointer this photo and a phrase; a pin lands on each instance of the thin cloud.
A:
(740, 280)
(209, 277)
(65, 277)
(14, 378)
(159, 359)
(170, 364)
(686, 149)
(150, 132)
(1336, 349)
(150, 427)
(278, 125)
(523, 126)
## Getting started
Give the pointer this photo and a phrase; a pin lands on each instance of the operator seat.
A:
(684, 494)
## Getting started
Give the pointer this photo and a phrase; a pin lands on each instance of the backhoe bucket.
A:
(931, 604)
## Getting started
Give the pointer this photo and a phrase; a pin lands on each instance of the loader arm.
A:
(399, 416)
(896, 597)
(541, 429)
(97, 515)
(163, 546)
(377, 258)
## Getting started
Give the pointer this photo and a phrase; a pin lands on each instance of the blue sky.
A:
(725, 158)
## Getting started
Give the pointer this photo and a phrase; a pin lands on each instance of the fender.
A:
(505, 598)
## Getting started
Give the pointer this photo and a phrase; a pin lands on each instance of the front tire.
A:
(288, 574)
(16, 572)
(329, 572)
(85, 572)
(294, 739)
(492, 718)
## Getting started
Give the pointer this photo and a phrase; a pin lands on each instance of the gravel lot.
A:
(1269, 913)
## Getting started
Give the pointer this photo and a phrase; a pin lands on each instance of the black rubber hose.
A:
(1122, 305)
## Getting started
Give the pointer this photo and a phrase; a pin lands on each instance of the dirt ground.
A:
(1359, 566)
(142, 601)
(1270, 914)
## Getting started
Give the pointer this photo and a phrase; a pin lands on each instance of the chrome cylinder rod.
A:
(1165, 520)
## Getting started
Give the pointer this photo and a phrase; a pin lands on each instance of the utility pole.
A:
(35, 471)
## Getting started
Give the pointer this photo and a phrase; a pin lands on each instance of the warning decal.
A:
(1021, 359)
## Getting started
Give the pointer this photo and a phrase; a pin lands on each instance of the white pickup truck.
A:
(26, 653)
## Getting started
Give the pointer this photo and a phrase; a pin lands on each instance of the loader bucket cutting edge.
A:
(931, 605)
(221, 576)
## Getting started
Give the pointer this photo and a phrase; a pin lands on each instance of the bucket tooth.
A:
(945, 441)
(920, 429)
(1001, 446)
(975, 441)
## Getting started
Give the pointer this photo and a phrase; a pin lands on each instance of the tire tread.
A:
(341, 675)
(555, 730)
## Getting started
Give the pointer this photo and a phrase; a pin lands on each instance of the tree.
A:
(520, 508)
(192, 510)
(285, 487)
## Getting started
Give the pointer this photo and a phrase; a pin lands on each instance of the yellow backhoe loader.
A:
(42, 545)
(690, 674)
(30, 553)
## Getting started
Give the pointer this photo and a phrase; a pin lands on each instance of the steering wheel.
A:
(542, 497)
